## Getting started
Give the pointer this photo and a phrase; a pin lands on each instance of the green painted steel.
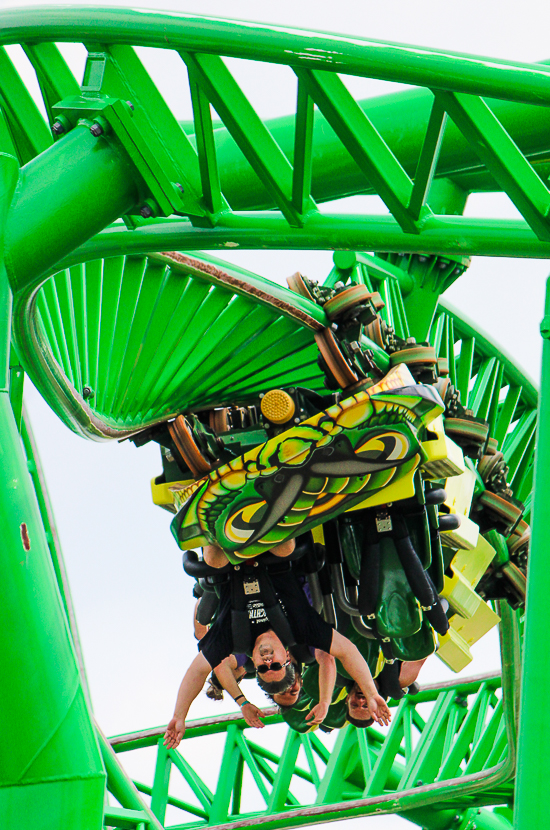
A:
(136, 339)
(57, 203)
(535, 719)
(113, 326)
(50, 531)
(260, 41)
(366, 772)
(495, 135)
(49, 751)
(118, 336)
(451, 235)
(125, 792)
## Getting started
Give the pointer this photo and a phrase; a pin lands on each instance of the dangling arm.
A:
(356, 666)
(191, 685)
(225, 673)
(327, 679)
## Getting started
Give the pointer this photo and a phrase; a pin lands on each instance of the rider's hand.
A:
(251, 714)
(379, 709)
(174, 733)
(318, 713)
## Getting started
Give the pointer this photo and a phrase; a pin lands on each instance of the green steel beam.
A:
(123, 788)
(502, 157)
(363, 143)
(358, 157)
(402, 120)
(249, 132)
(493, 77)
(54, 76)
(428, 160)
(48, 521)
(453, 235)
(17, 379)
(8, 181)
(534, 731)
(28, 131)
(303, 149)
(515, 136)
(117, 87)
(49, 753)
(206, 147)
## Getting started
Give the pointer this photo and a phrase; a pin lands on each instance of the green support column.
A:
(430, 282)
(122, 787)
(9, 171)
(51, 773)
(531, 807)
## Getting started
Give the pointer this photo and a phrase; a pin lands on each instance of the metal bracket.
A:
(100, 111)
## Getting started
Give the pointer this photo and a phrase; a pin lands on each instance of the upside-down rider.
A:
(272, 660)
(235, 668)
(337, 699)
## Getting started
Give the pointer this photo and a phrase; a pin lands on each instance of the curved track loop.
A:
(150, 339)
(154, 335)
(122, 337)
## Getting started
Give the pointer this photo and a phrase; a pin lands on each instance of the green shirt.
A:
(337, 711)
(369, 650)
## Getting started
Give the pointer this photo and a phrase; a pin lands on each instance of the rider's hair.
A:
(288, 708)
(284, 708)
(277, 686)
(215, 688)
(360, 724)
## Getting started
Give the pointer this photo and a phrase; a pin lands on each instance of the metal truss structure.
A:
(92, 310)
(460, 755)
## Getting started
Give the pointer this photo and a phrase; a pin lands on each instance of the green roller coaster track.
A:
(120, 334)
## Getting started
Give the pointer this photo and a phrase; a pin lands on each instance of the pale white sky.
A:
(132, 601)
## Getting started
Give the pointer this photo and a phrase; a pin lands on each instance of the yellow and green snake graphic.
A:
(312, 472)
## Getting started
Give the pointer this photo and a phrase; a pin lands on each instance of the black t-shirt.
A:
(307, 626)
(257, 617)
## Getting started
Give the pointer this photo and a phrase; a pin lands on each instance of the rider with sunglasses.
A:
(269, 653)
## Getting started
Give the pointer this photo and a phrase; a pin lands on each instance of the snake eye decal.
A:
(386, 446)
(294, 451)
(336, 460)
(241, 525)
